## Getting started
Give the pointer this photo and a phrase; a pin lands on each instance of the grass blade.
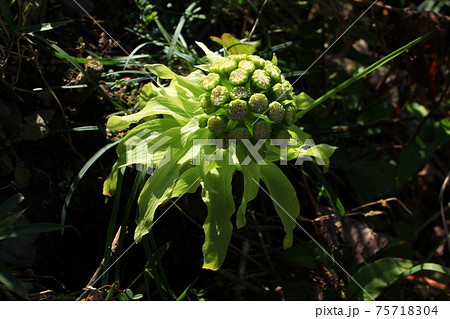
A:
(22, 230)
(427, 266)
(12, 283)
(131, 56)
(80, 175)
(266, 31)
(5, 11)
(111, 227)
(177, 32)
(79, 129)
(358, 76)
(68, 58)
(10, 204)
(44, 26)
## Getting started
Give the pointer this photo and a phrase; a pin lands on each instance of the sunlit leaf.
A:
(284, 198)
(376, 276)
(217, 226)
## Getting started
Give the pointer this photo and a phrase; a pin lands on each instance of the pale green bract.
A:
(168, 123)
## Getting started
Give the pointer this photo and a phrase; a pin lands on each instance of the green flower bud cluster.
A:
(247, 98)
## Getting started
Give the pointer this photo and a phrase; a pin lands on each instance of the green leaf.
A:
(11, 218)
(212, 57)
(427, 266)
(12, 283)
(44, 26)
(161, 71)
(358, 76)
(6, 13)
(188, 288)
(148, 130)
(21, 230)
(251, 174)
(157, 190)
(159, 187)
(176, 34)
(123, 297)
(11, 203)
(284, 198)
(302, 101)
(218, 227)
(188, 182)
(233, 45)
(376, 276)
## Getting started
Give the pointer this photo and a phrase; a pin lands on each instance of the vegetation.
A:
(344, 205)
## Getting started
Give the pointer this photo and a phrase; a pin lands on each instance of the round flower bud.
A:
(282, 91)
(258, 61)
(246, 65)
(211, 81)
(273, 71)
(261, 80)
(219, 95)
(203, 121)
(276, 112)
(205, 104)
(227, 66)
(239, 77)
(258, 102)
(217, 124)
(239, 133)
(238, 57)
(238, 109)
(261, 130)
(240, 92)
(289, 116)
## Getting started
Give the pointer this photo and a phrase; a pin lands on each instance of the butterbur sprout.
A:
(239, 133)
(258, 102)
(261, 130)
(240, 106)
(227, 66)
(247, 98)
(205, 104)
(238, 77)
(246, 65)
(276, 111)
(219, 95)
(240, 92)
(289, 116)
(261, 80)
(211, 81)
(217, 124)
(238, 109)
(273, 71)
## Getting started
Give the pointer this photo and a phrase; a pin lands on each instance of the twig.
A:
(256, 22)
(441, 201)
(430, 282)
(382, 202)
(99, 269)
